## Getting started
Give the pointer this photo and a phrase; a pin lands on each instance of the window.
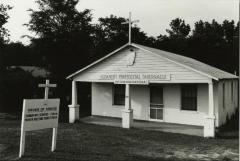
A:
(119, 94)
(223, 95)
(189, 97)
(232, 91)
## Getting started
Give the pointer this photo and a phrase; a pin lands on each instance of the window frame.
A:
(195, 109)
(114, 103)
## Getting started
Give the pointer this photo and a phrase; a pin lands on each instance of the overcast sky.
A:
(154, 15)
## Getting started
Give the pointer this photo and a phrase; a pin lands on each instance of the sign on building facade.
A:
(135, 78)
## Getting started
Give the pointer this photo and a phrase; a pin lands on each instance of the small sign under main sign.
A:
(143, 82)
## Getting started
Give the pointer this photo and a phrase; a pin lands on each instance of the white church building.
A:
(136, 82)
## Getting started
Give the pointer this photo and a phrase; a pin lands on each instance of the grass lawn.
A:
(101, 143)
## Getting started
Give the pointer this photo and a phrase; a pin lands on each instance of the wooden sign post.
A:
(40, 114)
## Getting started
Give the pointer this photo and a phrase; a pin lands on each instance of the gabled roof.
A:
(187, 62)
(190, 62)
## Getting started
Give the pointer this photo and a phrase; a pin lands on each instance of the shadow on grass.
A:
(230, 130)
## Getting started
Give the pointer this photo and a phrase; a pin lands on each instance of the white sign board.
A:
(40, 114)
(135, 78)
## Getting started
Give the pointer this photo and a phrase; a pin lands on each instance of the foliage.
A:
(110, 34)
(4, 34)
(210, 42)
(19, 85)
(3, 20)
(64, 40)
(18, 54)
(56, 18)
(178, 28)
(64, 35)
(215, 44)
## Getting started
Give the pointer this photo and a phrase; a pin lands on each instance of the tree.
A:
(229, 30)
(56, 18)
(213, 43)
(64, 40)
(4, 33)
(176, 40)
(3, 41)
(63, 35)
(231, 37)
(109, 34)
(210, 42)
(178, 28)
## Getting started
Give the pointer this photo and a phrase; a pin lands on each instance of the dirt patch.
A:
(168, 151)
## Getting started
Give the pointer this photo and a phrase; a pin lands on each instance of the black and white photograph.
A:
(119, 80)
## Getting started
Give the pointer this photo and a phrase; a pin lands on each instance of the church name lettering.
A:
(135, 77)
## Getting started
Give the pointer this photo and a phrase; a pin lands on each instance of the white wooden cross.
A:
(47, 86)
(130, 22)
